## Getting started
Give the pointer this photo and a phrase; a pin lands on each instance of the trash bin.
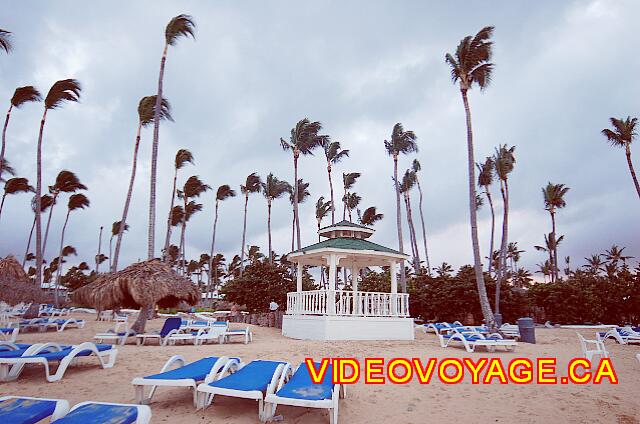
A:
(498, 318)
(527, 330)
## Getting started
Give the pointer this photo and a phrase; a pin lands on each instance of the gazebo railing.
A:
(348, 303)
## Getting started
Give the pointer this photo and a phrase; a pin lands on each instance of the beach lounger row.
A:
(471, 340)
(44, 324)
(622, 335)
(29, 410)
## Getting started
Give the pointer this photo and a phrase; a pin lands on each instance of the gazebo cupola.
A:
(346, 229)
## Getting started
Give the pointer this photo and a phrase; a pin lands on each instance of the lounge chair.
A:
(12, 350)
(9, 334)
(177, 373)
(44, 354)
(589, 353)
(438, 327)
(170, 327)
(118, 335)
(27, 410)
(622, 335)
(472, 340)
(202, 335)
(61, 324)
(301, 391)
(252, 381)
(246, 335)
(510, 330)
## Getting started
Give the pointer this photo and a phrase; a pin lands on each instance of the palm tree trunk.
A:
(59, 271)
(127, 202)
(167, 240)
(413, 246)
(344, 204)
(110, 250)
(24, 260)
(181, 244)
(244, 232)
(269, 230)
(403, 277)
(295, 203)
(213, 242)
(502, 261)
(99, 251)
(154, 161)
(46, 231)
(414, 239)
(293, 233)
(141, 321)
(493, 227)
(477, 261)
(554, 259)
(39, 203)
(333, 208)
(2, 202)
(424, 231)
(633, 172)
(4, 139)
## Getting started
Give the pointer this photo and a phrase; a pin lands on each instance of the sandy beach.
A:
(411, 403)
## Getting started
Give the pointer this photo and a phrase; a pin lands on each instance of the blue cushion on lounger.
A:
(197, 371)
(25, 411)
(300, 386)
(98, 413)
(256, 375)
(169, 325)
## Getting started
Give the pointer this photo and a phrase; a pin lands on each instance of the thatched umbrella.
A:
(15, 285)
(140, 285)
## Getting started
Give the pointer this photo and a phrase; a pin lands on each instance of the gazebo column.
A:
(299, 278)
(394, 288)
(331, 293)
(355, 270)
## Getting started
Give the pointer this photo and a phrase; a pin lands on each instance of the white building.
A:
(347, 314)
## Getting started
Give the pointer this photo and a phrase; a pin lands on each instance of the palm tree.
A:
(553, 196)
(179, 26)
(223, 193)
(504, 162)
(45, 203)
(351, 202)
(252, 185)
(416, 167)
(146, 113)
(370, 216)
(322, 210)
(190, 209)
(445, 270)
(545, 269)
(408, 181)
(183, 157)
(272, 188)
(402, 142)
(594, 264)
(21, 96)
(485, 180)
(614, 255)
(348, 181)
(334, 154)
(66, 182)
(522, 278)
(15, 186)
(61, 91)
(513, 254)
(5, 41)
(302, 192)
(76, 201)
(471, 66)
(304, 138)
(192, 189)
(99, 256)
(550, 245)
(116, 229)
(6, 167)
(622, 135)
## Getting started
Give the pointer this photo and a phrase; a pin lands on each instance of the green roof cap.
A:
(345, 223)
(348, 243)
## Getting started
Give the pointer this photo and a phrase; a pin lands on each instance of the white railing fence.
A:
(348, 303)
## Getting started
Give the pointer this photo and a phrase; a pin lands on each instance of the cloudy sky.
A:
(562, 69)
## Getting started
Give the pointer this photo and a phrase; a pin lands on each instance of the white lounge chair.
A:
(252, 381)
(22, 409)
(177, 373)
(301, 391)
(588, 352)
(9, 334)
(472, 340)
(246, 335)
(46, 353)
(510, 330)
(118, 335)
(170, 327)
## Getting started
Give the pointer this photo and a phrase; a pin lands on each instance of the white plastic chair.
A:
(589, 353)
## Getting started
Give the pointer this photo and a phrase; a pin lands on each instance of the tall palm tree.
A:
(408, 181)
(348, 181)
(322, 210)
(183, 157)
(76, 201)
(304, 138)
(401, 142)
(504, 162)
(545, 268)
(272, 188)
(5, 41)
(99, 256)
(513, 254)
(15, 186)
(190, 209)
(614, 255)
(6, 168)
(66, 182)
(224, 192)
(179, 26)
(351, 202)
(334, 154)
(470, 65)
(45, 203)
(370, 216)
(117, 228)
(622, 135)
(146, 113)
(192, 189)
(485, 180)
(21, 96)
(61, 91)
(553, 196)
(302, 192)
(416, 167)
(252, 185)
(594, 264)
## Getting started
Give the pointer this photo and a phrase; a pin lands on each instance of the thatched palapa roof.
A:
(15, 285)
(141, 284)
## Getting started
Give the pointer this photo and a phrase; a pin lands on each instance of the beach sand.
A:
(410, 403)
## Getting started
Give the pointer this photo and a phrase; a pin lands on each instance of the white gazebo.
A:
(333, 314)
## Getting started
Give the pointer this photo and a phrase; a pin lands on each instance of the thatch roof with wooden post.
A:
(142, 284)
(16, 286)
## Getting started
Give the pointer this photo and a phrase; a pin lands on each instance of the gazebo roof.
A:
(345, 223)
(347, 244)
(346, 229)
(351, 250)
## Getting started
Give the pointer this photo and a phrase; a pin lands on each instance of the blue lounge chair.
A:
(301, 391)
(472, 340)
(171, 326)
(9, 334)
(112, 413)
(28, 410)
(177, 373)
(252, 381)
(47, 353)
